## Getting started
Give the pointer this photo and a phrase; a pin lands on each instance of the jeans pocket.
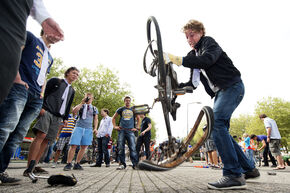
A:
(18, 92)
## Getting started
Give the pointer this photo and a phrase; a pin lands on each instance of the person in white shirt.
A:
(274, 139)
(103, 136)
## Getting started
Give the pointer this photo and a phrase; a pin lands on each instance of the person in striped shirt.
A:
(64, 138)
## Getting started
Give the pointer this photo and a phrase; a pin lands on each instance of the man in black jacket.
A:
(58, 97)
(222, 80)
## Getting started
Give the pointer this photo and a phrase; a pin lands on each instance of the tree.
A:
(279, 110)
(238, 125)
(57, 69)
(103, 83)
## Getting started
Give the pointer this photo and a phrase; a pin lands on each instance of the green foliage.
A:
(238, 125)
(153, 129)
(103, 83)
(57, 69)
(279, 110)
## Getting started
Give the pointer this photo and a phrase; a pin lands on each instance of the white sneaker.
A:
(121, 167)
(53, 164)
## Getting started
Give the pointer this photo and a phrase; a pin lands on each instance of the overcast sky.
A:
(254, 34)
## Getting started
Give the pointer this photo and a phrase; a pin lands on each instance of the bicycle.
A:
(173, 152)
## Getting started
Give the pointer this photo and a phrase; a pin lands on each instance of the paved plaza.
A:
(185, 178)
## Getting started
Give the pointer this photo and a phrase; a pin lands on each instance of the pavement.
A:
(185, 178)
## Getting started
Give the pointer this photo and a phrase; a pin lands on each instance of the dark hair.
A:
(41, 32)
(106, 110)
(253, 136)
(69, 70)
(127, 97)
(262, 116)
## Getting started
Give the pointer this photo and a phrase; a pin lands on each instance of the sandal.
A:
(279, 168)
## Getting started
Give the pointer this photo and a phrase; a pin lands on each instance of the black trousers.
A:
(13, 16)
(267, 152)
(146, 141)
(103, 150)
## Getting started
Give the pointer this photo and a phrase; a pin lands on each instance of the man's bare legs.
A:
(81, 153)
(280, 162)
(72, 150)
(35, 147)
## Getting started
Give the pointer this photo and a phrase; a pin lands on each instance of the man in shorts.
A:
(57, 101)
(83, 132)
(274, 139)
(211, 150)
(64, 138)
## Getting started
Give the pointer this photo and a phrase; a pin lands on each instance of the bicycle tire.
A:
(177, 160)
(162, 72)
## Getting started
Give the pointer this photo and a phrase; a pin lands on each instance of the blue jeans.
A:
(49, 151)
(234, 160)
(103, 150)
(128, 135)
(17, 112)
(250, 156)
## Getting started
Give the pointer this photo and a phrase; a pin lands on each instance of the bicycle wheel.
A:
(163, 79)
(196, 137)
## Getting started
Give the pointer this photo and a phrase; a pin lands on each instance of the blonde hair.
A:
(194, 25)
(245, 135)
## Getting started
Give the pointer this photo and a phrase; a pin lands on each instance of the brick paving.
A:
(184, 178)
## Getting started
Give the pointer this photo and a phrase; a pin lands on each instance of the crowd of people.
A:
(252, 146)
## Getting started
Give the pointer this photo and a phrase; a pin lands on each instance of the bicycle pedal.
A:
(179, 91)
(188, 89)
(159, 88)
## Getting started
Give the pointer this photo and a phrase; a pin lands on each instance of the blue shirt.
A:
(127, 117)
(31, 60)
(247, 142)
(88, 121)
(261, 138)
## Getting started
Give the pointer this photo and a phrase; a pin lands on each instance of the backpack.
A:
(82, 109)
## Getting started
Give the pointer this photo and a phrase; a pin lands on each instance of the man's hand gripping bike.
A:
(173, 153)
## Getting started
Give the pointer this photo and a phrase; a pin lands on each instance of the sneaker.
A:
(67, 167)
(6, 180)
(254, 173)
(53, 165)
(39, 170)
(107, 165)
(96, 165)
(121, 167)
(228, 183)
(77, 166)
(25, 173)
